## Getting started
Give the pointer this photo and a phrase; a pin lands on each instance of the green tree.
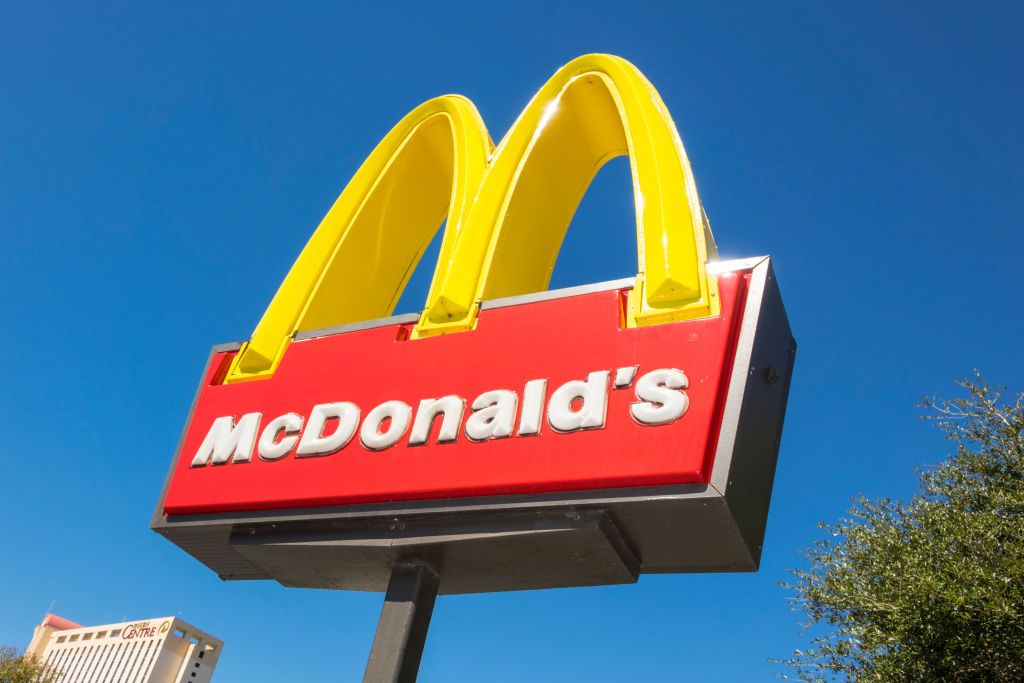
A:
(931, 589)
(18, 668)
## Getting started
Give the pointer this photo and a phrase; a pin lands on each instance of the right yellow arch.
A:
(593, 109)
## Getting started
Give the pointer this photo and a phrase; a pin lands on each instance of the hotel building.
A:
(161, 650)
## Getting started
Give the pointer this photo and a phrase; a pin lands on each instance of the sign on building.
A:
(161, 650)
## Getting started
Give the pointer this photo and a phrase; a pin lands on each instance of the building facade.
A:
(161, 650)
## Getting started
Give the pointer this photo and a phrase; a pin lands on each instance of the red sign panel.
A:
(551, 395)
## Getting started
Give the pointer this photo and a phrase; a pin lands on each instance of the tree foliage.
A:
(931, 589)
(18, 668)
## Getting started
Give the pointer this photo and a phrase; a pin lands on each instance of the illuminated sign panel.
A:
(515, 438)
(371, 415)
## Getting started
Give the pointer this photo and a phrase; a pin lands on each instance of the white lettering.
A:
(228, 441)
(395, 414)
(269, 447)
(624, 377)
(661, 397)
(564, 415)
(314, 443)
(451, 407)
(533, 407)
(494, 415)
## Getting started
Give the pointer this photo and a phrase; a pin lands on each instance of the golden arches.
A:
(508, 211)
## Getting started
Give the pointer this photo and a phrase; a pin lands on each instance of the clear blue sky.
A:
(161, 167)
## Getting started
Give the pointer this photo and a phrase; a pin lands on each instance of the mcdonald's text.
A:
(574, 406)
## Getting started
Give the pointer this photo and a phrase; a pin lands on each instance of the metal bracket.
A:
(511, 550)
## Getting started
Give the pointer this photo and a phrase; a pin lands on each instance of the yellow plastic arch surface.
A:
(507, 208)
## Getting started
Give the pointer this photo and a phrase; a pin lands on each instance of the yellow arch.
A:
(359, 259)
(593, 109)
(508, 212)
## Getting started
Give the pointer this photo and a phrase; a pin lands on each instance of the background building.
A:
(161, 650)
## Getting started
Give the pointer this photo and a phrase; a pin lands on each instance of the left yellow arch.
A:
(359, 259)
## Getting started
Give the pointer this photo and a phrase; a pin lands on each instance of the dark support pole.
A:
(404, 620)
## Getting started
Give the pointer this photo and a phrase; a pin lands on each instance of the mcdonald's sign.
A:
(513, 436)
